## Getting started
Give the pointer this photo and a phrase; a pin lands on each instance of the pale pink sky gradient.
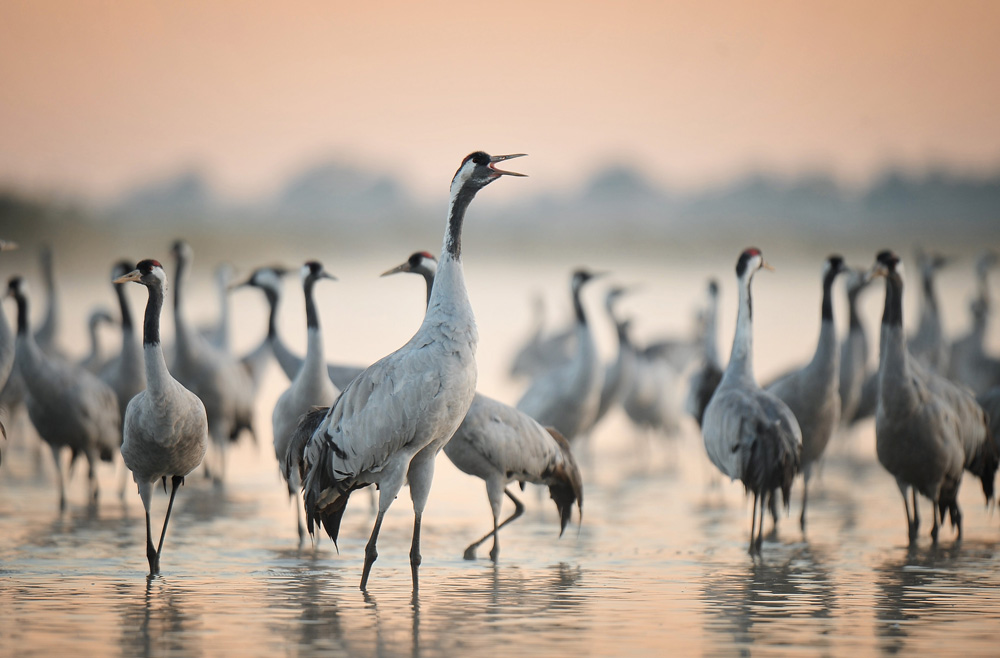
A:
(98, 95)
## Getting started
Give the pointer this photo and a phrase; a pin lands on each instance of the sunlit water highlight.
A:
(658, 566)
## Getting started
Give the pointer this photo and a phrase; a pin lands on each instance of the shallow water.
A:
(658, 565)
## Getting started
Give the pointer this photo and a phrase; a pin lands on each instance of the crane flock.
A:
(341, 427)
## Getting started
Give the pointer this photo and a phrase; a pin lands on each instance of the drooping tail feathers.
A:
(567, 487)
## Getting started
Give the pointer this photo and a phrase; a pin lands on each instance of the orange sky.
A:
(98, 94)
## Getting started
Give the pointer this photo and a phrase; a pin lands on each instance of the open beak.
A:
(134, 275)
(402, 267)
(500, 158)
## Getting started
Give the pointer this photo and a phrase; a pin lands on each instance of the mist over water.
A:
(658, 564)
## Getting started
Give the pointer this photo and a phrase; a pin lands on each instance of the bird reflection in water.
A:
(158, 621)
(780, 600)
(930, 590)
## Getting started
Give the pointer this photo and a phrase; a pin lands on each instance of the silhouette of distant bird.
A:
(390, 422)
(223, 385)
(812, 391)
(68, 406)
(310, 388)
(94, 360)
(750, 434)
(166, 428)
(567, 397)
(704, 380)
(854, 352)
(928, 345)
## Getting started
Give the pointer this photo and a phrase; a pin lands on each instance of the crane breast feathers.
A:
(377, 415)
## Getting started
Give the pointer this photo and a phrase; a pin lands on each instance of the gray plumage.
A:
(166, 428)
(812, 392)
(390, 422)
(500, 445)
(223, 385)
(990, 403)
(95, 360)
(69, 407)
(268, 279)
(217, 334)
(46, 336)
(651, 397)
(751, 435)
(970, 364)
(7, 339)
(854, 351)
(310, 388)
(620, 371)
(126, 372)
(541, 353)
(567, 396)
(928, 345)
(927, 429)
(705, 379)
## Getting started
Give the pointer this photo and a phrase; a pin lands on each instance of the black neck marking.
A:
(151, 320)
(453, 244)
(123, 304)
(272, 316)
(22, 315)
(312, 317)
(892, 315)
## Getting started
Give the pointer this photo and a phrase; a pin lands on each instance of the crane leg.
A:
(916, 517)
(151, 555)
(59, 477)
(175, 482)
(470, 552)
(415, 550)
(370, 551)
(753, 524)
(805, 498)
(934, 529)
(760, 526)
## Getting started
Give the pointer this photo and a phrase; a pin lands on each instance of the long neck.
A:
(315, 359)
(123, 304)
(95, 346)
(460, 201)
(179, 319)
(223, 291)
(711, 343)
(741, 357)
(826, 348)
(156, 367)
(852, 309)
(22, 316)
(892, 343)
(581, 316)
(272, 318)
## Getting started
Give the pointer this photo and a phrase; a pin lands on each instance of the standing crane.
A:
(69, 406)
(310, 388)
(813, 391)
(390, 422)
(750, 434)
(166, 428)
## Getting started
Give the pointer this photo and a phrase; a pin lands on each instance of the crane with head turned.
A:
(390, 422)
